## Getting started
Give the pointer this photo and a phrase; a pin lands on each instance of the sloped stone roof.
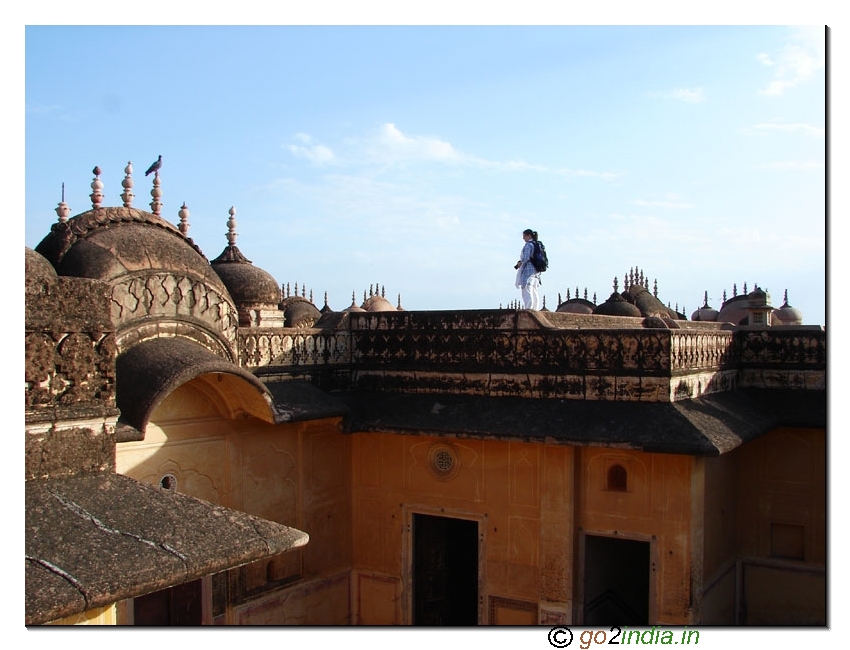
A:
(96, 539)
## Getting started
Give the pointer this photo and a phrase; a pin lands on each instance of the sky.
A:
(411, 158)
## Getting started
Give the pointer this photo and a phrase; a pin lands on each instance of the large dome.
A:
(106, 243)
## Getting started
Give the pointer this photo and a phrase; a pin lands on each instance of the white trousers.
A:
(530, 295)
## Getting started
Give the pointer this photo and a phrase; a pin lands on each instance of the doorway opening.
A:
(180, 605)
(445, 571)
(616, 581)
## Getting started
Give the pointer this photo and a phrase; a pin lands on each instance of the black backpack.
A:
(539, 260)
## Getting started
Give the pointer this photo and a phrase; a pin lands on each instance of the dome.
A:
(616, 305)
(299, 312)
(705, 313)
(249, 285)
(576, 306)
(107, 243)
(788, 315)
(647, 304)
(38, 270)
(378, 303)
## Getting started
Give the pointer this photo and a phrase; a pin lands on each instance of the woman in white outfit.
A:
(527, 277)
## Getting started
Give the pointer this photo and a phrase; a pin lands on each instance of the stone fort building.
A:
(205, 447)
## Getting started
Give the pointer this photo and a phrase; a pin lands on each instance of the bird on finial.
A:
(154, 167)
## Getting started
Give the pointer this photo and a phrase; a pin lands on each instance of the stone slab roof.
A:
(708, 426)
(92, 540)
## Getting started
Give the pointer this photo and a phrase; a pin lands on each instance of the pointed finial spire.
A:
(544, 301)
(734, 289)
(383, 291)
(705, 303)
(745, 289)
(585, 293)
(615, 284)
(353, 300)
(785, 304)
(560, 302)
(156, 193)
(97, 188)
(568, 293)
(724, 295)
(594, 297)
(231, 223)
(655, 288)
(183, 213)
(398, 306)
(311, 296)
(63, 210)
(326, 298)
(127, 195)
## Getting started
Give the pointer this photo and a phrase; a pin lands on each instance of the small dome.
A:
(705, 313)
(249, 285)
(788, 315)
(616, 305)
(576, 306)
(378, 303)
(299, 312)
(38, 270)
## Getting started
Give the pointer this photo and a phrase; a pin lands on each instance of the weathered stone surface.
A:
(93, 540)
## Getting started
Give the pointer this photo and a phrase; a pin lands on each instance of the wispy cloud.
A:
(667, 205)
(786, 127)
(796, 62)
(689, 95)
(389, 147)
(318, 154)
(793, 165)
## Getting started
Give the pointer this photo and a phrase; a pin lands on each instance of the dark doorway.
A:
(445, 571)
(180, 605)
(616, 581)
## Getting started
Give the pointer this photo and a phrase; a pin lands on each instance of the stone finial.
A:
(311, 295)
(745, 289)
(97, 188)
(568, 293)
(642, 280)
(615, 285)
(353, 300)
(156, 193)
(398, 305)
(127, 195)
(724, 295)
(705, 303)
(585, 293)
(183, 213)
(326, 298)
(785, 304)
(63, 209)
(655, 287)
(594, 297)
(560, 302)
(544, 302)
(577, 293)
(231, 227)
(734, 290)
(383, 291)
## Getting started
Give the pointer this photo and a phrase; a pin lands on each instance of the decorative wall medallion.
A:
(444, 461)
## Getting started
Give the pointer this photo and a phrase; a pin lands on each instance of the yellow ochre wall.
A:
(532, 502)
(296, 474)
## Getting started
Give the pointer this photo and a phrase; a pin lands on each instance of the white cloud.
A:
(318, 153)
(793, 165)
(689, 95)
(670, 205)
(796, 62)
(787, 127)
(394, 146)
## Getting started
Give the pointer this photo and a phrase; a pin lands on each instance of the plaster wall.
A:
(296, 474)
(533, 503)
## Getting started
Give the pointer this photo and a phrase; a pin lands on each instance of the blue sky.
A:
(413, 157)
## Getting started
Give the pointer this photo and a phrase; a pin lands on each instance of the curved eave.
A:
(148, 372)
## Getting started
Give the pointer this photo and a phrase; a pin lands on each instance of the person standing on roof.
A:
(527, 277)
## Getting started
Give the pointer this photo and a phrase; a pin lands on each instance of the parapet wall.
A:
(538, 354)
